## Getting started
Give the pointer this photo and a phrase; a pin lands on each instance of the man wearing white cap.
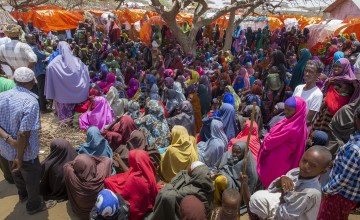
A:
(19, 138)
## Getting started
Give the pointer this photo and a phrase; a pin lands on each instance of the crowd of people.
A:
(175, 134)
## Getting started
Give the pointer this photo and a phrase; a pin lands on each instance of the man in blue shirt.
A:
(39, 70)
(19, 138)
(342, 192)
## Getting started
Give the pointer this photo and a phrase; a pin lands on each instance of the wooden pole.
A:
(248, 138)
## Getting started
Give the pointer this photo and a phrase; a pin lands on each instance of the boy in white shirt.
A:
(309, 91)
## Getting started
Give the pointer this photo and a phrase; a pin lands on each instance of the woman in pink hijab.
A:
(244, 74)
(100, 116)
(284, 145)
(105, 86)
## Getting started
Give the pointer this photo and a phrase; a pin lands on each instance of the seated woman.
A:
(118, 133)
(100, 115)
(213, 149)
(284, 145)
(179, 155)
(137, 185)
(105, 85)
(230, 89)
(277, 115)
(172, 102)
(185, 118)
(229, 168)
(339, 93)
(110, 206)
(119, 106)
(227, 114)
(95, 144)
(154, 125)
(254, 144)
(83, 107)
(133, 90)
(137, 140)
(84, 179)
(196, 181)
(52, 185)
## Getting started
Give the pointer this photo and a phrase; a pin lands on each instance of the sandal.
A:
(45, 205)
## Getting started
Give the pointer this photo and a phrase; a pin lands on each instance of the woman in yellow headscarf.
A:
(179, 155)
(231, 90)
(228, 56)
(194, 78)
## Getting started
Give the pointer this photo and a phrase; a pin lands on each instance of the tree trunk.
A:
(229, 30)
(188, 43)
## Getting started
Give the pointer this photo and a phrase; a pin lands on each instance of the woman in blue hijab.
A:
(95, 145)
(298, 71)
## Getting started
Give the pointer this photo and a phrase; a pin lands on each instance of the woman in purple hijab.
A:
(67, 82)
(100, 116)
(133, 88)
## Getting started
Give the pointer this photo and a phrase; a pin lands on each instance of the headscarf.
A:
(191, 208)
(238, 85)
(338, 55)
(169, 82)
(154, 125)
(179, 155)
(205, 100)
(204, 80)
(177, 64)
(137, 140)
(119, 134)
(346, 69)
(180, 95)
(119, 106)
(133, 88)
(154, 93)
(236, 97)
(227, 113)
(195, 102)
(172, 102)
(286, 140)
(67, 78)
(100, 116)
(229, 99)
(110, 80)
(298, 71)
(185, 118)
(52, 185)
(108, 205)
(198, 184)
(194, 78)
(150, 80)
(84, 179)
(231, 168)
(254, 144)
(137, 185)
(244, 74)
(213, 149)
(133, 109)
(95, 144)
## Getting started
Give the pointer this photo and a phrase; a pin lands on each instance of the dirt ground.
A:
(12, 209)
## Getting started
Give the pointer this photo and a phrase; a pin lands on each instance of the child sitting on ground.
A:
(230, 209)
(296, 195)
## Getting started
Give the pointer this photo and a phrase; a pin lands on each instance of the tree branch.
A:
(227, 9)
(204, 7)
(245, 14)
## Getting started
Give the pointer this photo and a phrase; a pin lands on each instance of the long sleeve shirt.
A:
(344, 178)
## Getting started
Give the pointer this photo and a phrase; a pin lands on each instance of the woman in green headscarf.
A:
(186, 28)
(298, 71)
(156, 35)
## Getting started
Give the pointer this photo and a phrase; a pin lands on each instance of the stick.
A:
(248, 138)
(242, 193)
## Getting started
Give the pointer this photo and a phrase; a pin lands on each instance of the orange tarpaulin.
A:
(133, 15)
(348, 29)
(50, 19)
(145, 31)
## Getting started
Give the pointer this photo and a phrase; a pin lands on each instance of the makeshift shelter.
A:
(145, 32)
(50, 18)
(6, 18)
(342, 9)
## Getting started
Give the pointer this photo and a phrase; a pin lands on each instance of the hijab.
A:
(205, 99)
(179, 155)
(213, 149)
(137, 185)
(236, 97)
(186, 118)
(84, 179)
(119, 133)
(100, 116)
(154, 93)
(95, 144)
(227, 114)
(298, 71)
(119, 106)
(133, 88)
(52, 185)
